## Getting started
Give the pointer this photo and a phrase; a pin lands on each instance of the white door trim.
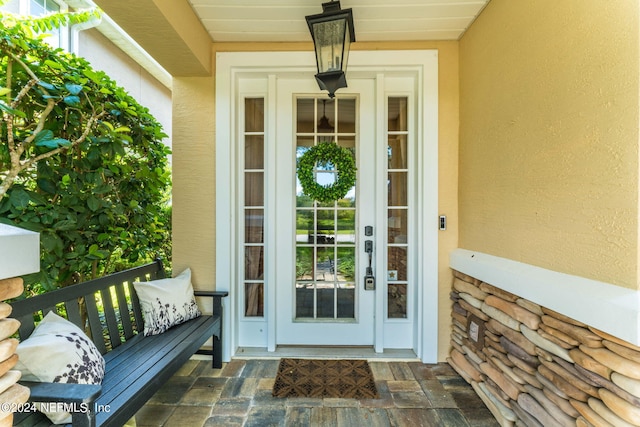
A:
(230, 66)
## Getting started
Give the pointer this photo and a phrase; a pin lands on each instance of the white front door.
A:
(295, 267)
(321, 260)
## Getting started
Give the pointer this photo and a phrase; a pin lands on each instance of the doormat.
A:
(351, 379)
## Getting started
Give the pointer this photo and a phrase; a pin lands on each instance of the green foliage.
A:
(347, 267)
(81, 162)
(327, 153)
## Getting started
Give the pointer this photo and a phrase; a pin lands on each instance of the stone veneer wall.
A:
(535, 367)
(11, 393)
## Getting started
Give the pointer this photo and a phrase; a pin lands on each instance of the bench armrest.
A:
(217, 299)
(216, 351)
(219, 294)
(62, 392)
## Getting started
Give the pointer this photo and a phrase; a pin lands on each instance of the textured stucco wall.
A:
(549, 136)
(194, 183)
(146, 89)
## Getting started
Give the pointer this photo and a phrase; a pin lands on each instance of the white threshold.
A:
(604, 306)
(310, 352)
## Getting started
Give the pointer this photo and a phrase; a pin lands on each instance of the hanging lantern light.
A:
(332, 32)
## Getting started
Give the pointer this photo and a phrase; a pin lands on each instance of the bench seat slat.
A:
(127, 366)
(74, 393)
(149, 377)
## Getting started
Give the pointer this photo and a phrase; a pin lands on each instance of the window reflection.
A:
(398, 208)
(325, 232)
(254, 198)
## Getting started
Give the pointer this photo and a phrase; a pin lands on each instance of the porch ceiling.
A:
(375, 20)
(178, 34)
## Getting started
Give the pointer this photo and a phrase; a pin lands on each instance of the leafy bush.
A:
(81, 162)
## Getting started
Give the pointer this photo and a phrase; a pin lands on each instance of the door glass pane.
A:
(397, 301)
(253, 207)
(304, 263)
(326, 122)
(346, 297)
(254, 226)
(348, 142)
(398, 230)
(346, 264)
(398, 114)
(397, 151)
(347, 112)
(254, 152)
(398, 193)
(254, 115)
(325, 264)
(254, 299)
(325, 227)
(305, 296)
(302, 146)
(325, 232)
(326, 294)
(346, 230)
(397, 263)
(254, 189)
(254, 262)
(349, 200)
(397, 226)
(304, 226)
(305, 111)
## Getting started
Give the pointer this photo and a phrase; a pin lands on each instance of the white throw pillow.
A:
(166, 302)
(58, 351)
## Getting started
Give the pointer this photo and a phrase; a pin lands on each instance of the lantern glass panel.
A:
(330, 42)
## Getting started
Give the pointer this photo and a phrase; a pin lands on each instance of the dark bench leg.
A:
(217, 353)
(217, 339)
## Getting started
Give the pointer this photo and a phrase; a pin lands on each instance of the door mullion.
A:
(271, 223)
(380, 179)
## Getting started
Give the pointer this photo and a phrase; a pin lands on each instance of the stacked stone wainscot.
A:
(533, 366)
(12, 395)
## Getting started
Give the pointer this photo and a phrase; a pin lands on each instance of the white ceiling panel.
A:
(374, 20)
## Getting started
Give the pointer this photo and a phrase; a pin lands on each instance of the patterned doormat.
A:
(324, 378)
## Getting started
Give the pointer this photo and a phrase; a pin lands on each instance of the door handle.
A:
(369, 279)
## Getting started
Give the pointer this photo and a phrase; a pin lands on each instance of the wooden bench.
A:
(136, 366)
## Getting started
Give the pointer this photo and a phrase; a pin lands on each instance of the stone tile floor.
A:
(411, 394)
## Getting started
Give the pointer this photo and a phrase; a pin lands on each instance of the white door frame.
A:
(230, 67)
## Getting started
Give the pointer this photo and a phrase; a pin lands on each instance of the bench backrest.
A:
(113, 312)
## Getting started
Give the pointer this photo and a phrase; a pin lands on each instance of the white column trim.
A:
(19, 251)
(607, 307)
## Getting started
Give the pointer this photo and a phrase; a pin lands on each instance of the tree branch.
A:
(87, 130)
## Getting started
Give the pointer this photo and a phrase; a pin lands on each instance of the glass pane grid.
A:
(253, 210)
(397, 209)
(325, 232)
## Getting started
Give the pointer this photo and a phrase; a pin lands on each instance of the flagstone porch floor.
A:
(411, 394)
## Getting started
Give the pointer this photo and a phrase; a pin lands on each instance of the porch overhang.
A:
(169, 31)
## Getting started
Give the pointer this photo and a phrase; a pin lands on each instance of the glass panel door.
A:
(320, 260)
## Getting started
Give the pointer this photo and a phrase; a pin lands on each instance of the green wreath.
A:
(327, 152)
